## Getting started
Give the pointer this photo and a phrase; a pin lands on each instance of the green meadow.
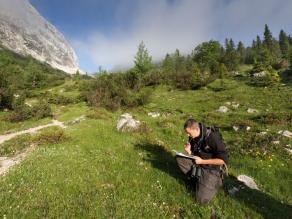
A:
(91, 170)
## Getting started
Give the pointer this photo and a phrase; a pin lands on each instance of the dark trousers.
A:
(209, 183)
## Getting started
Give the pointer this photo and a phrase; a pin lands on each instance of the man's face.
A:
(192, 132)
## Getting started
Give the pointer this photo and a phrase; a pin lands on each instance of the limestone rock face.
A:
(24, 31)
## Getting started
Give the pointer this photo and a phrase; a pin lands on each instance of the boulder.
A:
(154, 114)
(241, 128)
(248, 181)
(235, 105)
(275, 142)
(223, 109)
(127, 123)
(260, 74)
(251, 110)
(285, 133)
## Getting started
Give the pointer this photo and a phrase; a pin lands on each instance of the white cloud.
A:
(165, 26)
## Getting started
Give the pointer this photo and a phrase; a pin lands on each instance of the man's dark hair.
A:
(191, 123)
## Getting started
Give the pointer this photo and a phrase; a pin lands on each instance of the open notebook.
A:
(183, 155)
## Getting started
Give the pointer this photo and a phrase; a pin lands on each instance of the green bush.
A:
(112, 92)
(22, 111)
(271, 76)
(58, 99)
(6, 93)
(51, 136)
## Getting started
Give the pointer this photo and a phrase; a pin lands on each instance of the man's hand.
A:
(188, 148)
(197, 160)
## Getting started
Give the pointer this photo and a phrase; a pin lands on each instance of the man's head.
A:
(192, 128)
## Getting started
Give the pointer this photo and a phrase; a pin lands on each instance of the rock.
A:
(5, 110)
(248, 181)
(228, 103)
(77, 120)
(223, 109)
(285, 133)
(233, 190)
(262, 133)
(250, 110)
(288, 149)
(235, 105)
(241, 128)
(275, 142)
(24, 31)
(127, 123)
(28, 104)
(154, 114)
(260, 74)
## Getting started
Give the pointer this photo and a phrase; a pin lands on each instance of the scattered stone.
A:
(127, 123)
(16, 95)
(248, 181)
(241, 128)
(228, 103)
(154, 114)
(275, 142)
(250, 110)
(5, 110)
(260, 74)
(263, 133)
(28, 104)
(235, 105)
(288, 149)
(223, 109)
(77, 120)
(285, 133)
(233, 190)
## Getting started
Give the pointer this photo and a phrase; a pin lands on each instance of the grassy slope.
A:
(101, 173)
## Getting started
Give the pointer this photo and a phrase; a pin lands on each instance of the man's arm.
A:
(215, 161)
(221, 154)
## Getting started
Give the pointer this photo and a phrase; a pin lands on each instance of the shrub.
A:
(60, 99)
(51, 136)
(112, 92)
(6, 94)
(23, 112)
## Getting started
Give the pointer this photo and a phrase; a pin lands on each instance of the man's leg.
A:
(210, 183)
(184, 164)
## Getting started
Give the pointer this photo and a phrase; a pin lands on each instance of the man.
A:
(209, 156)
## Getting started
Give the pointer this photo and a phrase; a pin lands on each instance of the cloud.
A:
(166, 25)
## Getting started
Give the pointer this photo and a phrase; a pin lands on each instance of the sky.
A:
(107, 33)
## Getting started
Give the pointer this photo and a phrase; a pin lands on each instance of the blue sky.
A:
(107, 32)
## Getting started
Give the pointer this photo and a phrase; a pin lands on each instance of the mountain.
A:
(24, 31)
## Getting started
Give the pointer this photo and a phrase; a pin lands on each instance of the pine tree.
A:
(241, 52)
(258, 42)
(268, 38)
(284, 44)
(143, 61)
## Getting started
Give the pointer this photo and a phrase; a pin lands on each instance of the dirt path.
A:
(8, 162)
(30, 130)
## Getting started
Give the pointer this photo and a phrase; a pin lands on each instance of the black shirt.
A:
(209, 145)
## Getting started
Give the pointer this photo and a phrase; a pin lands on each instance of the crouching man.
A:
(210, 158)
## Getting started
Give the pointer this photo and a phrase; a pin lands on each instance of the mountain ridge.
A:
(25, 31)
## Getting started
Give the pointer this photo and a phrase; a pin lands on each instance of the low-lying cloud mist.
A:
(165, 25)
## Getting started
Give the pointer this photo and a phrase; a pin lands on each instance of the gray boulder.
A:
(248, 181)
(127, 123)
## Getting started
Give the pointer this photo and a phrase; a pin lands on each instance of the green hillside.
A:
(83, 167)
(94, 171)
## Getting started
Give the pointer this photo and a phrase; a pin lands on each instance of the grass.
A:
(102, 173)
